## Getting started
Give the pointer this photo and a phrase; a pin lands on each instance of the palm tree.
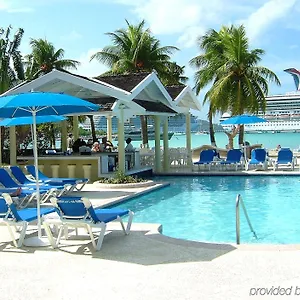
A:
(11, 66)
(207, 63)
(239, 84)
(239, 80)
(44, 58)
(133, 50)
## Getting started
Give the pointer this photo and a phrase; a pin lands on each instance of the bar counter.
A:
(91, 166)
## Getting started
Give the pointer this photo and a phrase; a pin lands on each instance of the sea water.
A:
(268, 140)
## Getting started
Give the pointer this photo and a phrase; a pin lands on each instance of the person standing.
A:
(70, 142)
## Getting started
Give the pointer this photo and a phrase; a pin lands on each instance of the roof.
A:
(126, 82)
(154, 106)
(175, 90)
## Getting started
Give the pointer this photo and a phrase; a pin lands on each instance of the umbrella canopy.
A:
(243, 119)
(43, 104)
(35, 104)
(29, 120)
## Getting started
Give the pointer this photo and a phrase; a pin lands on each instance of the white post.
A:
(75, 127)
(157, 144)
(109, 128)
(13, 145)
(166, 145)
(121, 137)
(188, 139)
(64, 133)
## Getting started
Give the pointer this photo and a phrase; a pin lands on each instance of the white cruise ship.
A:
(282, 111)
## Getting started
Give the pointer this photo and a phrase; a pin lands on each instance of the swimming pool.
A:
(203, 208)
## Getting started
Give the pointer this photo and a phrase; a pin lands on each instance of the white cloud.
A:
(72, 36)
(189, 37)
(262, 19)
(87, 68)
(14, 6)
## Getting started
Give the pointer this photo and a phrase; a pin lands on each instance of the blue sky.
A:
(79, 27)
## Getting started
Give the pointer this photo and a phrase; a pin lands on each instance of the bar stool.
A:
(71, 171)
(87, 171)
(55, 170)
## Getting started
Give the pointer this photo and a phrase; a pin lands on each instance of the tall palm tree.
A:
(239, 80)
(44, 58)
(11, 66)
(134, 49)
(206, 63)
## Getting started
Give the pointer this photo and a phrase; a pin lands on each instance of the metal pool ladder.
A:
(239, 201)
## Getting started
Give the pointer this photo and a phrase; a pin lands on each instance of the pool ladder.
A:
(239, 201)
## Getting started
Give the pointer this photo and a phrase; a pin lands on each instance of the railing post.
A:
(237, 218)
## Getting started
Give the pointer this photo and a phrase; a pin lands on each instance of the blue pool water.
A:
(203, 208)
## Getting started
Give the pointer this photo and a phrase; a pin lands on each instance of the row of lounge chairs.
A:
(259, 158)
(69, 211)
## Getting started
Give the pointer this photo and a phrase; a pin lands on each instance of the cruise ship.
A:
(176, 124)
(282, 111)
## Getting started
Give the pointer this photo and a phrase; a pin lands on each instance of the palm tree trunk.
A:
(93, 128)
(144, 130)
(241, 135)
(211, 128)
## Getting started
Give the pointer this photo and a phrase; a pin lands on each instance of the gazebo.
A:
(121, 96)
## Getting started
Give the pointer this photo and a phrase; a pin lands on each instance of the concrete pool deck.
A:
(145, 265)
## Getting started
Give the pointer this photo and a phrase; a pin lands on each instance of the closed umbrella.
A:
(33, 105)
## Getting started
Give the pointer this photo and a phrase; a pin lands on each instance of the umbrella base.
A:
(36, 242)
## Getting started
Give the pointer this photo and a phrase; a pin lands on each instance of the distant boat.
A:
(201, 132)
(136, 135)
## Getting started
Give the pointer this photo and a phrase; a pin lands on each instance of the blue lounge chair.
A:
(206, 158)
(233, 158)
(10, 216)
(76, 183)
(285, 157)
(79, 212)
(45, 190)
(22, 178)
(258, 158)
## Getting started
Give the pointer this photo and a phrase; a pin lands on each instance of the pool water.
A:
(203, 208)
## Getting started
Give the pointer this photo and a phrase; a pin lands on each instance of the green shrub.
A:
(121, 178)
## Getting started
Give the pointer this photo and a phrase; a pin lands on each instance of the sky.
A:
(80, 27)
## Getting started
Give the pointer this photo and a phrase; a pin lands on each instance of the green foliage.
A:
(44, 58)
(11, 67)
(239, 84)
(121, 178)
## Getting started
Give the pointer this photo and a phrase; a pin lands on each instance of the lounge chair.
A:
(206, 158)
(78, 212)
(233, 158)
(10, 216)
(30, 190)
(285, 157)
(258, 158)
(76, 183)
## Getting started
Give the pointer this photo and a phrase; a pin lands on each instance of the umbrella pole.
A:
(36, 166)
(38, 241)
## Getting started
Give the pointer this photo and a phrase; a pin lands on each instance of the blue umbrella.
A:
(243, 119)
(29, 120)
(36, 104)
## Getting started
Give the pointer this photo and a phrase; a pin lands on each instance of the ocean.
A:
(268, 140)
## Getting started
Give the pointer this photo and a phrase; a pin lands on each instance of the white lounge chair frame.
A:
(85, 223)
